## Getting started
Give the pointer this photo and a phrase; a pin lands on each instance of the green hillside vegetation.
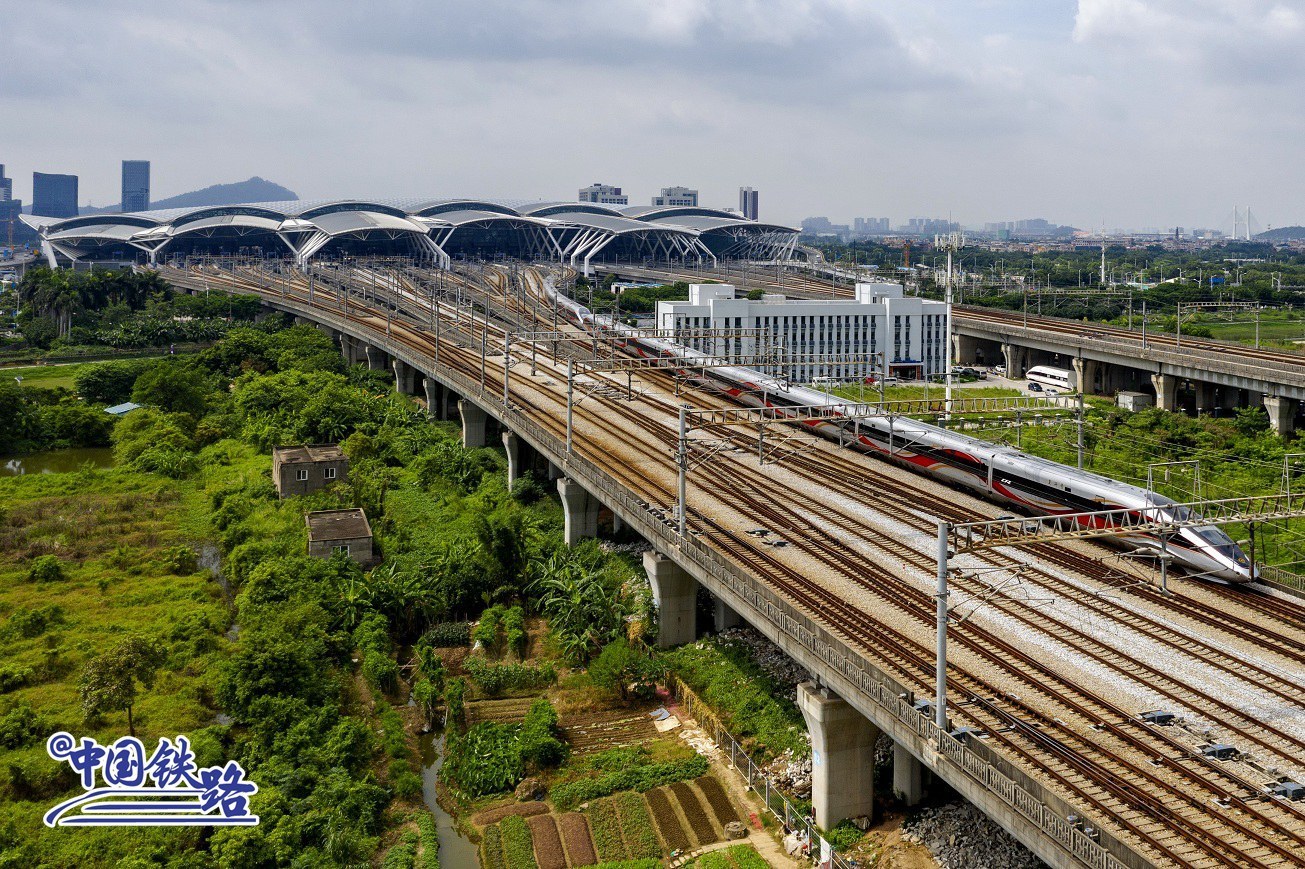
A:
(305, 690)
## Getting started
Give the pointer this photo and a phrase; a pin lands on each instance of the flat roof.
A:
(350, 524)
(308, 453)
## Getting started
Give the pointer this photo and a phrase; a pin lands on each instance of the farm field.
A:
(656, 825)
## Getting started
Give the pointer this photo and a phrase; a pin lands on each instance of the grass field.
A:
(61, 374)
(126, 544)
(44, 376)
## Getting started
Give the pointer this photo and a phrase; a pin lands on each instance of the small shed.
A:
(1134, 400)
(310, 468)
(121, 409)
(347, 531)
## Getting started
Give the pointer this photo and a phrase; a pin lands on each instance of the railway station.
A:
(427, 231)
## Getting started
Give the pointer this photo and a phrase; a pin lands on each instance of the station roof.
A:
(417, 215)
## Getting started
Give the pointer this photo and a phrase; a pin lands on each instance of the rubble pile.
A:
(791, 774)
(961, 837)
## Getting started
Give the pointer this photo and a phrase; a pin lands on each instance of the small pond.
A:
(56, 461)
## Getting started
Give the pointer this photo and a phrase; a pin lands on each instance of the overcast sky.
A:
(1133, 112)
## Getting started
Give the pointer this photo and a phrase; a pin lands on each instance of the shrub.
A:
(514, 630)
(540, 744)
(427, 698)
(454, 706)
(373, 633)
(380, 671)
(486, 631)
(404, 782)
(20, 727)
(180, 560)
(494, 679)
(448, 635)
(46, 568)
(518, 847)
(487, 760)
(844, 836)
(13, 677)
(32, 623)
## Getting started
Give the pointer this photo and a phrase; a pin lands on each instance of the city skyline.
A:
(1135, 113)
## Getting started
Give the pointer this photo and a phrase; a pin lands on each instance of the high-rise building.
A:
(54, 195)
(6, 186)
(135, 185)
(748, 202)
(671, 196)
(603, 194)
(871, 226)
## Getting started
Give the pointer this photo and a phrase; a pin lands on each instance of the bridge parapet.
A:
(1249, 373)
(1032, 813)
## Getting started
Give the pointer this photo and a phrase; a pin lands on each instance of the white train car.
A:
(1052, 379)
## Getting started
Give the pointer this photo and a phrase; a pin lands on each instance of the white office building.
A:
(880, 319)
(603, 194)
(676, 197)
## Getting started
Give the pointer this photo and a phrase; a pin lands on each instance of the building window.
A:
(330, 473)
(342, 548)
(302, 474)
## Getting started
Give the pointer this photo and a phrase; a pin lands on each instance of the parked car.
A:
(1035, 387)
(999, 370)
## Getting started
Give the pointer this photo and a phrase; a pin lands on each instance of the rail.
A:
(785, 811)
(957, 757)
(1179, 357)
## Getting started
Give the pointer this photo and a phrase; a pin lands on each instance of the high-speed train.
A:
(994, 471)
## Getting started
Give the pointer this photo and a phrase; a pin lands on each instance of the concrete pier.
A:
(434, 396)
(908, 775)
(580, 510)
(512, 446)
(1282, 413)
(675, 594)
(1166, 387)
(474, 421)
(842, 756)
(724, 616)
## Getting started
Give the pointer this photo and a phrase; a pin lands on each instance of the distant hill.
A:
(1283, 233)
(254, 190)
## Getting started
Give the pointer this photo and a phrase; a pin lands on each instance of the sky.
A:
(1128, 113)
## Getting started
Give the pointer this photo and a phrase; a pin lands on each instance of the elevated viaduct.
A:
(852, 699)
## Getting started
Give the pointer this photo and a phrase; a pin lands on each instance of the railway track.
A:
(1156, 810)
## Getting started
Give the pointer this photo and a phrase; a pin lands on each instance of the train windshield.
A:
(1222, 544)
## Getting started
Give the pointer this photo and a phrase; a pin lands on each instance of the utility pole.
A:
(570, 401)
(940, 673)
(951, 242)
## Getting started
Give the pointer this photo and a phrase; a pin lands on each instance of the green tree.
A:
(175, 388)
(109, 382)
(618, 666)
(108, 683)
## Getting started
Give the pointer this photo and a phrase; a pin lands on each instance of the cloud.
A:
(1145, 112)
